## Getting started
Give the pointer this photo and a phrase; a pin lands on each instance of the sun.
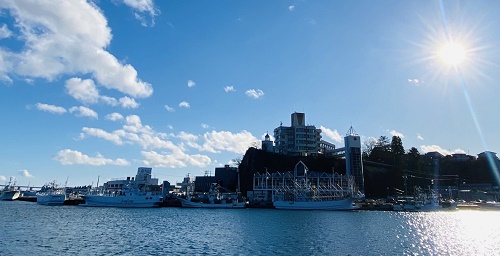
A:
(452, 53)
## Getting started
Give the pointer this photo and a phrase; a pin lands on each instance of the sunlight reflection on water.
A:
(452, 233)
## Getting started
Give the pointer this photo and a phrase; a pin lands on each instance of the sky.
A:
(95, 89)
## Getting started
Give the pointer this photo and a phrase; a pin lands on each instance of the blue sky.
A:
(99, 88)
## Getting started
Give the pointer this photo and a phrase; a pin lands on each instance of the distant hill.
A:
(258, 161)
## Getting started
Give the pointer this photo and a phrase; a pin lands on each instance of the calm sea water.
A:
(31, 229)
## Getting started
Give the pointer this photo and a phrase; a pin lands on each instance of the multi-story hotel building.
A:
(297, 139)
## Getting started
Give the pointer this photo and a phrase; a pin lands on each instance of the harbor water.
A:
(30, 229)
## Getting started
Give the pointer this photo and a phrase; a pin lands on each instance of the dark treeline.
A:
(419, 170)
(388, 168)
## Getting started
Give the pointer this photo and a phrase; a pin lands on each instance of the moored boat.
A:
(488, 205)
(128, 197)
(51, 194)
(129, 193)
(425, 202)
(335, 205)
(304, 190)
(9, 192)
(215, 198)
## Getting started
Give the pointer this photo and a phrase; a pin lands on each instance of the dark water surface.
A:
(30, 229)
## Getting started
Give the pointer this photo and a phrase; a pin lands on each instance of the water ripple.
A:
(30, 229)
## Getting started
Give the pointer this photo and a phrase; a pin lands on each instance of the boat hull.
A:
(132, 201)
(53, 200)
(422, 208)
(188, 204)
(335, 205)
(9, 195)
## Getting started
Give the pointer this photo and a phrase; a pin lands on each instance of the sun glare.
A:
(452, 53)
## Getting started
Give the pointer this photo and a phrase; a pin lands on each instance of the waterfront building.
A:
(226, 177)
(487, 154)
(298, 138)
(461, 157)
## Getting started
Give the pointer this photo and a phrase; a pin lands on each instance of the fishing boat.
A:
(217, 197)
(129, 196)
(51, 194)
(425, 202)
(303, 195)
(9, 192)
(305, 190)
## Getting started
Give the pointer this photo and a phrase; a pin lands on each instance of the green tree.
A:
(397, 147)
(413, 159)
(368, 146)
(381, 151)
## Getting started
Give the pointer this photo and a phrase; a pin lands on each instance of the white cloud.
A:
(176, 159)
(74, 157)
(99, 133)
(169, 109)
(170, 127)
(83, 90)
(420, 137)
(143, 6)
(3, 178)
(332, 134)
(191, 83)
(86, 92)
(227, 141)
(127, 102)
(184, 104)
(5, 31)
(291, 8)
(256, 94)
(229, 89)
(134, 124)
(205, 126)
(436, 148)
(50, 108)
(82, 111)
(109, 100)
(173, 154)
(66, 37)
(26, 174)
(415, 81)
(114, 116)
(395, 133)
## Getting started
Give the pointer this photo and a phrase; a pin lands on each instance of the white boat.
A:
(424, 202)
(215, 198)
(304, 190)
(302, 195)
(9, 192)
(128, 197)
(335, 205)
(51, 194)
(488, 205)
